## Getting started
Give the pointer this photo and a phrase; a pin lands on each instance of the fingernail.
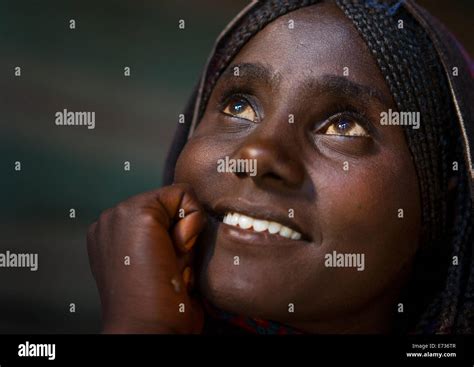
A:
(186, 276)
(176, 285)
(190, 243)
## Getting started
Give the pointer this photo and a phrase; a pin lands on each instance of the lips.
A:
(260, 225)
(258, 221)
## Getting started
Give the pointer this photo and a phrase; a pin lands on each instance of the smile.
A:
(260, 225)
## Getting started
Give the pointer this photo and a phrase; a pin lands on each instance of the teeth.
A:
(274, 227)
(234, 220)
(245, 222)
(295, 235)
(227, 218)
(285, 232)
(258, 225)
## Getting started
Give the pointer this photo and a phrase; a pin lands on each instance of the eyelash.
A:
(223, 103)
(235, 92)
(348, 111)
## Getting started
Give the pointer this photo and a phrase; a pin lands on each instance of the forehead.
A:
(314, 41)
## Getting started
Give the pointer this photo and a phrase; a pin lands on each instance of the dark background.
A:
(73, 167)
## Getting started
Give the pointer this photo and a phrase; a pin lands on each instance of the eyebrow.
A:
(259, 71)
(328, 83)
(336, 84)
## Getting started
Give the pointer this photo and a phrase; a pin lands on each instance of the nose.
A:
(276, 166)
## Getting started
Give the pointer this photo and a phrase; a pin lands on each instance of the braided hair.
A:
(417, 82)
(440, 296)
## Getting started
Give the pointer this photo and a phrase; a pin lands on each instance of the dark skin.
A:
(343, 174)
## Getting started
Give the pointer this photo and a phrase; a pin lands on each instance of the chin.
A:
(225, 291)
(236, 294)
(252, 288)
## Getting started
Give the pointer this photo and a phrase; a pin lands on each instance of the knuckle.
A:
(122, 209)
(104, 215)
(121, 213)
(146, 218)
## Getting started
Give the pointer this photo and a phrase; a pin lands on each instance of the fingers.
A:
(182, 206)
(91, 244)
(91, 234)
(177, 211)
(172, 203)
(179, 200)
(186, 231)
(93, 252)
(188, 278)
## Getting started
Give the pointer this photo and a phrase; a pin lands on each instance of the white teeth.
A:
(245, 222)
(296, 236)
(259, 225)
(274, 227)
(285, 232)
(234, 220)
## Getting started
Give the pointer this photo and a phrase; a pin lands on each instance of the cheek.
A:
(370, 202)
(371, 210)
(197, 165)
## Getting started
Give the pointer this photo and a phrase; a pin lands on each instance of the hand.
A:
(141, 257)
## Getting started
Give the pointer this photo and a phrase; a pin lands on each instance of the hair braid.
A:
(399, 53)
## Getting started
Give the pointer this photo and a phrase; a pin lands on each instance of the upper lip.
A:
(265, 212)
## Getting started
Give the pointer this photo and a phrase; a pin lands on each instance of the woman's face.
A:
(305, 104)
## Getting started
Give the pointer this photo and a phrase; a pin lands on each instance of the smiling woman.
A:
(299, 87)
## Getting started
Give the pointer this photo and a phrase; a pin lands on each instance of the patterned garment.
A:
(223, 322)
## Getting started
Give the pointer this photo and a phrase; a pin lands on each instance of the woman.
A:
(357, 214)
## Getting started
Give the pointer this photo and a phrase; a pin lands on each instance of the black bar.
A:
(138, 350)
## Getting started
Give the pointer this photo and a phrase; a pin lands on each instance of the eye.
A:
(240, 107)
(345, 126)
